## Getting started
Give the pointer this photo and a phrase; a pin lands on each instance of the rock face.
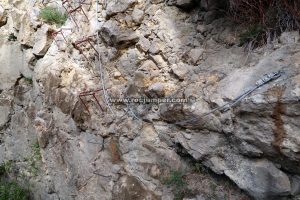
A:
(113, 35)
(133, 108)
(3, 16)
(42, 41)
(5, 111)
(261, 179)
(182, 3)
(137, 15)
(12, 64)
(117, 6)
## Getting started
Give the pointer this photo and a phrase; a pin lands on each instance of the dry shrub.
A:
(265, 18)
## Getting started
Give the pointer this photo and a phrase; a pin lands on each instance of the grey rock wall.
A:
(94, 150)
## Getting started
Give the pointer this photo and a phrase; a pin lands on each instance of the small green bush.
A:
(5, 167)
(28, 79)
(35, 147)
(12, 191)
(175, 178)
(53, 16)
(266, 18)
(178, 184)
(199, 168)
(34, 159)
(254, 33)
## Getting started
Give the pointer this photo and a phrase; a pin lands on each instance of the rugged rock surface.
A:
(95, 149)
(3, 16)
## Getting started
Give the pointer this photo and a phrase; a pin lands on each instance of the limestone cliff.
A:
(67, 143)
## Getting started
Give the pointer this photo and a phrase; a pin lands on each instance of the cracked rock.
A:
(115, 36)
(260, 178)
(180, 70)
(137, 15)
(3, 16)
(42, 41)
(5, 111)
(117, 6)
(195, 55)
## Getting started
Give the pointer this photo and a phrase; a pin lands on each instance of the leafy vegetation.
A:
(29, 80)
(199, 168)
(253, 33)
(34, 159)
(53, 15)
(36, 151)
(5, 167)
(12, 191)
(266, 18)
(179, 186)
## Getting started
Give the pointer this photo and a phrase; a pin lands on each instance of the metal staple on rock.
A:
(90, 93)
(264, 80)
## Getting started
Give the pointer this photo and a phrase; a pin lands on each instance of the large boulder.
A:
(42, 41)
(26, 32)
(202, 145)
(260, 178)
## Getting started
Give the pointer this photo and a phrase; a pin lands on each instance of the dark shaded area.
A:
(265, 19)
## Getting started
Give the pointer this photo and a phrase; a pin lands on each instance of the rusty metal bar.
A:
(60, 31)
(86, 107)
(90, 93)
(97, 101)
(71, 11)
(93, 47)
(67, 10)
(89, 40)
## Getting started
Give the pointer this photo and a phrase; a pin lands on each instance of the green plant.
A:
(12, 191)
(253, 33)
(53, 15)
(175, 178)
(34, 159)
(266, 18)
(12, 37)
(199, 168)
(178, 184)
(5, 167)
(29, 80)
(35, 147)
